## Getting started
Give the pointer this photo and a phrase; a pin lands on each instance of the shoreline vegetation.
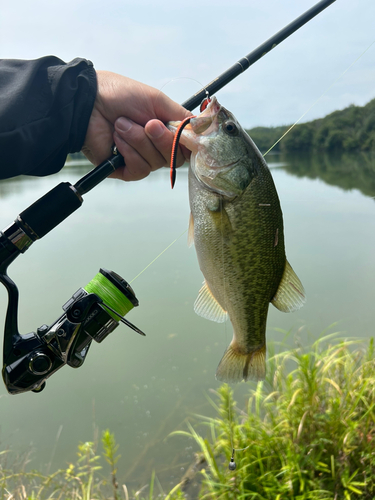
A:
(307, 432)
(347, 130)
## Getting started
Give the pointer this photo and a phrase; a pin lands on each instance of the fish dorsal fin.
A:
(290, 295)
(191, 231)
(208, 307)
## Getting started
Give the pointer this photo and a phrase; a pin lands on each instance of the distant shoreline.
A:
(350, 129)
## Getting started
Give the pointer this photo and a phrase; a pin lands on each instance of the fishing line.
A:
(223, 265)
(232, 464)
(156, 258)
(181, 78)
(327, 89)
(178, 237)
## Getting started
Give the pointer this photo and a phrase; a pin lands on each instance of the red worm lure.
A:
(176, 139)
(179, 130)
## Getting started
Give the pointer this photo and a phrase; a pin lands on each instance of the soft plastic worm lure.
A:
(176, 139)
(175, 146)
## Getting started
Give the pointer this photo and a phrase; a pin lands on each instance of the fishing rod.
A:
(95, 310)
(110, 165)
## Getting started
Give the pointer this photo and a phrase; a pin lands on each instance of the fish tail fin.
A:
(236, 365)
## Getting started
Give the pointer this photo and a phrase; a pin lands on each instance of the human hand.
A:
(131, 114)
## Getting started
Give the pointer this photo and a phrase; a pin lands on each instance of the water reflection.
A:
(22, 183)
(347, 170)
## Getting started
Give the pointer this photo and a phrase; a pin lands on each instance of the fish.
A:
(236, 224)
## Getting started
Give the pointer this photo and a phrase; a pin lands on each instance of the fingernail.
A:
(123, 124)
(156, 131)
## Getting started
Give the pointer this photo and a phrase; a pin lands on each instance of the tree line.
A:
(350, 129)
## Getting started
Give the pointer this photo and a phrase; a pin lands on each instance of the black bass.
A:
(236, 224)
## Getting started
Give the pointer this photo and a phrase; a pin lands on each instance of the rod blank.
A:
(254, 56)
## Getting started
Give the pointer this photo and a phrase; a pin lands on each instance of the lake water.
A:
(143, 388)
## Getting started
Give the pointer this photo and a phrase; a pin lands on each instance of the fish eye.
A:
(230, 128)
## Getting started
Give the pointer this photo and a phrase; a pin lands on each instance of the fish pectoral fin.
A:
(208, 307)
(236, 365)
(290, 295)
(222, 223)
(191, 231)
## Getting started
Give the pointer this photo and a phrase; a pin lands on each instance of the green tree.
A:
(349, 129)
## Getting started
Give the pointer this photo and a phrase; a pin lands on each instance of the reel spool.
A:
(115, 292)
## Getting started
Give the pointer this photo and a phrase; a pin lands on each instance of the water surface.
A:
(144, 388)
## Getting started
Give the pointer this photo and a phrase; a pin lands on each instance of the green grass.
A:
(308, 430)
(80, 481)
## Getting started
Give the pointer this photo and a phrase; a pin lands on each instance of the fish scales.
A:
(237, 227)
(248, 251)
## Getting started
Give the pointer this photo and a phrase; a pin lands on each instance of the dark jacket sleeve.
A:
(45, 107)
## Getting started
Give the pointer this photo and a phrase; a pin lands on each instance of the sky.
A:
(178, 47)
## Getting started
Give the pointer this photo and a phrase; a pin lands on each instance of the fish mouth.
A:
(213, 107)
(201, 125)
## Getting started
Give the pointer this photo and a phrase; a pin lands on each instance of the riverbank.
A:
(307, 432)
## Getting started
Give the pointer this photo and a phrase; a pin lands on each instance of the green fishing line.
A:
(110, 294)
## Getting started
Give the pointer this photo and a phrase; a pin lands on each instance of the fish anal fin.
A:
(208, 307)
(236, 365)
(290, 295)
(191, 231)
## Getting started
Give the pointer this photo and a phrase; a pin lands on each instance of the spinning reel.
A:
(92, 313)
